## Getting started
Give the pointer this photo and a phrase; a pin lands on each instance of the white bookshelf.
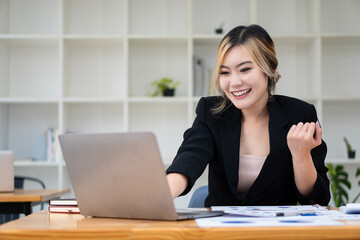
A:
(87, 66)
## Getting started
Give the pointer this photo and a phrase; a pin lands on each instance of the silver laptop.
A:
(120, 175)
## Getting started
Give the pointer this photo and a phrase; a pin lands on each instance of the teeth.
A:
(240, 93)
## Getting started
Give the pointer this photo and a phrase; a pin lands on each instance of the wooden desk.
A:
(21, 200)
(43, 225)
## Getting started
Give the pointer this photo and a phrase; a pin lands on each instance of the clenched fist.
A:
(303, 137)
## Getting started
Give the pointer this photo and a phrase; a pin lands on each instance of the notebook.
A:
(121, 175)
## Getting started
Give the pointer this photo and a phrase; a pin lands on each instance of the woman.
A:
(262, 149)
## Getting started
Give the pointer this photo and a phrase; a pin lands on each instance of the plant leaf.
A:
(345, 182)
(357, 172)
(340, 184)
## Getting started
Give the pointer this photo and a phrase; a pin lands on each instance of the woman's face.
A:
(242, 80)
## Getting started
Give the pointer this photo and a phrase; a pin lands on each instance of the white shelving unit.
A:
(87, 66)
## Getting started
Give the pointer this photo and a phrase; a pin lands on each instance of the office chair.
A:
(19, 182)
(197, 200)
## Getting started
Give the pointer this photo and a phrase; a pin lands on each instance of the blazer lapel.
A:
(230, 142)
(277, 127)
(278, 157)
(274, 163)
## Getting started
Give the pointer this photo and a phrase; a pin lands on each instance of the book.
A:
(63, 209)
(212, 89)
(351, 208)
(52, 145)
(63, 202)
(198, 75)
(63, 206)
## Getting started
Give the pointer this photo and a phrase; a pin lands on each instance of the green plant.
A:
(163, 84)
(348, 146)
(339, 184)
(219, 30)
(357, 175)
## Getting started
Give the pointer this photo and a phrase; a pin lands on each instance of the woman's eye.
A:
(223, 73)
(245, 69)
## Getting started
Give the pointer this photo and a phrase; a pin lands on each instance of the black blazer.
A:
(214, 140)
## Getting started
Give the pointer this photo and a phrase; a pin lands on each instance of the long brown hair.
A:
(260, 45)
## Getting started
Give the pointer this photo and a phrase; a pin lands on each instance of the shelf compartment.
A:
(24, 128)
(340, 57)
(28, 163)
(341, 98)
(93, 100)
(341, 17)
(299, 16)
(158, 99)
(29, 69)
(341, 119)
(215, 37)
(93, 117)
(297, 66)
(28, 100)
(166, 120)
(33, 37)
(209, 14)
(94, 17)
(158, 37)
(98, 65)
(204, 66)
(343, 161)
(151, 60)
(94, 37)
(158, 17)
(30, 16)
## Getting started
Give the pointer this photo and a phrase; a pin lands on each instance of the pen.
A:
(286, 214)
(294, 213)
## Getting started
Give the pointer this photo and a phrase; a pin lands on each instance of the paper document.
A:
(351, 208)
(230, 221)
(271, 211)
(260, 216)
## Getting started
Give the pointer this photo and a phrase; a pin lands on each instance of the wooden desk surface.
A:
(25, 195)
(43, 225)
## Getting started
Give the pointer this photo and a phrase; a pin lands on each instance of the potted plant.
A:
(339, 184)
(166, 86)
(219, 30)
(357, 174)
(350, 151)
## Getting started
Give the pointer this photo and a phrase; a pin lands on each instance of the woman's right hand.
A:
(177, 183)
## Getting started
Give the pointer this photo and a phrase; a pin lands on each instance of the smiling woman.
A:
(241, 80)
(261, 148)
(256, 42)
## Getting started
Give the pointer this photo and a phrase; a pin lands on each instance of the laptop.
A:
(121, 175)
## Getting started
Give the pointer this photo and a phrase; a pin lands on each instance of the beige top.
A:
(249, 168)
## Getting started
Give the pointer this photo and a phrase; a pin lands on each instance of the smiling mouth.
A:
(241, 93)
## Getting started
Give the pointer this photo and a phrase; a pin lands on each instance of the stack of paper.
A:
(260, 216)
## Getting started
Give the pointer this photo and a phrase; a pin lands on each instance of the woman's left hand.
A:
(303, 137)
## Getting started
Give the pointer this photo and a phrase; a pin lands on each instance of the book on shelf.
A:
(212, 89)
(52, 144)
(198, 75)
(203, 78)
